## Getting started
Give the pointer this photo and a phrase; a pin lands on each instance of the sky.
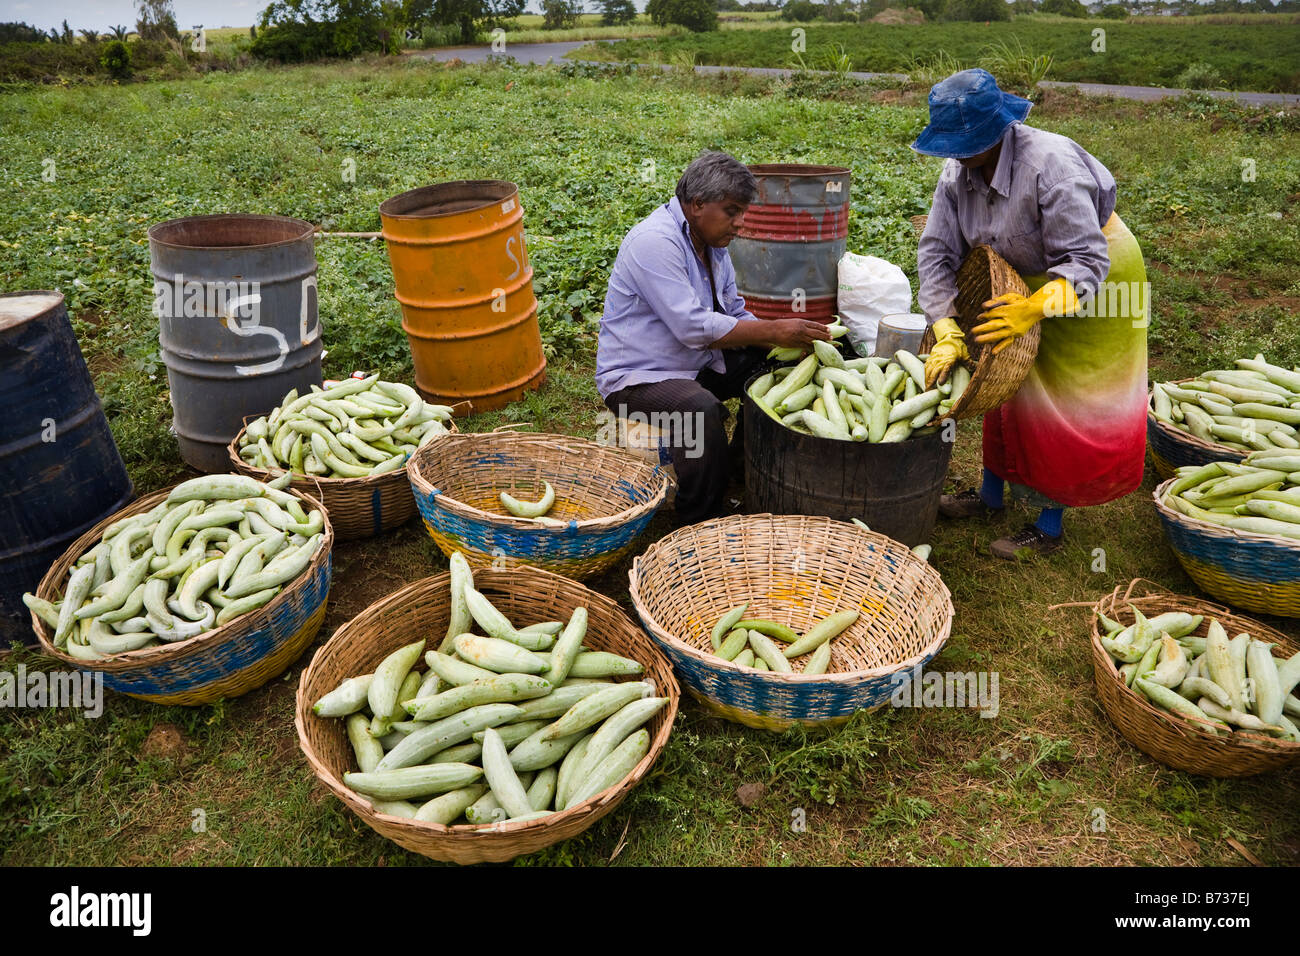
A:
(104, 14)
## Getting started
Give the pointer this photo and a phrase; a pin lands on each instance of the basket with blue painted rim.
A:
(226, 661)
(358, 507)
(1257, 572)
(1172, 448)
(604, 498)
(794, 569)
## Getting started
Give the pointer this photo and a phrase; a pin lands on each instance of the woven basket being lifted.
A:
(1170, 739)
(796, 570)
(422, 610)
(226, 661)
(994, 378)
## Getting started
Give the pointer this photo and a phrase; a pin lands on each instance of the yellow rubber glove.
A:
(949, 347)
(1012, 315)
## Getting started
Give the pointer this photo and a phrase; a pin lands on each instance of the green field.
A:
(902, 786)
(1260, 53)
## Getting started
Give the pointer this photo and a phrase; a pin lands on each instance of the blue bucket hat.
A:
(968, 115)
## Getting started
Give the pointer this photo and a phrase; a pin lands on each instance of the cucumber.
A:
(734, 644)
(447, 807)
(818, 661)
(455, 671)
(616, 729)
(462, 577)
(424, 743)
(498, 655)
(821, 632)
(395, 808)
(567, 646)
(602, 664)
(368, 750)
(612, 769)
(557, 701)
(765, 648)
(498, 626)
(501, 777)
(591, 710)
(512, 734)
(408, 782)
(541, 792)
(568, 771)
(504, 688)
(461, 753)
(387, 681)
(535, 753)
(769, 628)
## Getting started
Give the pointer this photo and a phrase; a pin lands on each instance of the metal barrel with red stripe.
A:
(788, 251)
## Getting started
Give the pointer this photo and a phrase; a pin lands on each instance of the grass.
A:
(1258, 53)
(927, 787)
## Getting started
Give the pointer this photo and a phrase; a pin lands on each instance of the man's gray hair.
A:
(714, 177)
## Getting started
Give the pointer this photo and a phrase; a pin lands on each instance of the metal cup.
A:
(900, 331)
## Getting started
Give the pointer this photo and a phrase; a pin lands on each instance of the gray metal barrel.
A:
(237, 321)
(60, 472)
(795, 232)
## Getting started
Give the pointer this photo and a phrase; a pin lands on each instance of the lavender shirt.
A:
(1043, 213)
(659, 320)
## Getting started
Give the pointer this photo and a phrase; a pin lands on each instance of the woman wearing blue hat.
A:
(1075, 433)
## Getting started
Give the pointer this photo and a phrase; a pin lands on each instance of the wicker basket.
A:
(605, 496)
(1257, 572)
(1173, 448)
(795, 570)
(996, 378)
(1180, 743)
(358, 507)
(422, 610)
(226, 661)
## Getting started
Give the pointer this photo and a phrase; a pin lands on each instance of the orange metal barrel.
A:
(466, 289)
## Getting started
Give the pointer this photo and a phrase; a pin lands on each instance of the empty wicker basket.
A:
(422, 610)
(604, 496)
(994, 378)
(794, 570)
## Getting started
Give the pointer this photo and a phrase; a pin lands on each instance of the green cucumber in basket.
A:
(461, 753)
(541, 792)
(498, 626)
(514, 733)
(617, 729)
(455, 671)
(424, 743)
(449, 806)
(770, 629)
(612, 769)
(568, 646)
(726, 624)
(494, 654)
(766, 649)
(407, 782)
(569, 768)
(597, 664)
(819, 660)
(821, 632)
(536, 753)
(501, 777)
(387, 682)
(462, 577)
(504, 688)
(592, 710)
(557, 701)
(368, 750)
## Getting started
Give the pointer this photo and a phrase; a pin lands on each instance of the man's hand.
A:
(797, 333)
(786, 333)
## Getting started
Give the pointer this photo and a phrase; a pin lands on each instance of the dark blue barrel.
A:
(235, 297)
(60, 473)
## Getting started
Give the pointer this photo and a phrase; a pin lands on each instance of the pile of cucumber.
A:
(856, 399)
(1261, 495)
(218, 547)
(751, 642)
(1222, 685)
(355, 429)
(1255, 406)
(513, 724)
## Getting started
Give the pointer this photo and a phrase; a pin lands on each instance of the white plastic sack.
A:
(870, 287)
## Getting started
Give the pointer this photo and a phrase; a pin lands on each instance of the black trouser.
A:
(692, 419)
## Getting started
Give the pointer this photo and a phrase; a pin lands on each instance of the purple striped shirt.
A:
(1043, 213)
(659, 320)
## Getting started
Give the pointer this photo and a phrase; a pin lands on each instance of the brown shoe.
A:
(967, 504)
(1027, 541)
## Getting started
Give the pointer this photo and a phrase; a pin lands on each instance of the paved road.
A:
(545, 52)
